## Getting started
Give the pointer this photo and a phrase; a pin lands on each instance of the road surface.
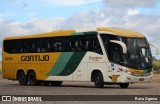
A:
(8, 87)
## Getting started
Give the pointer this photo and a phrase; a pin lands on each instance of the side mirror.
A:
(124, 47)
(157, 49)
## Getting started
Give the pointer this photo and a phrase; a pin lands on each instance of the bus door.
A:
(115, 58)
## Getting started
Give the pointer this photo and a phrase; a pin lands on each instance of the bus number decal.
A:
(114, 77)
(8, 58)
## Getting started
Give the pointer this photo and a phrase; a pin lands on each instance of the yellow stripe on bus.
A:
(135, 71)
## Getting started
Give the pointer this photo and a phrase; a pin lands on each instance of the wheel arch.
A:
(93, 73)
(30, 70)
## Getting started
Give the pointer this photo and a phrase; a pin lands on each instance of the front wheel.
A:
(124, 85)
(21, 77)
(98, 80)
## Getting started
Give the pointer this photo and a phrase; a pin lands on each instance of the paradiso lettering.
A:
(35, 58)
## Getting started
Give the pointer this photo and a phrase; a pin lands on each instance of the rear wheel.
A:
(32, 79)
(22, 78)
(124, 85)
(98, 80)
(56, 83)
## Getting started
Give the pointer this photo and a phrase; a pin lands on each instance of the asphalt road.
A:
(8, 87)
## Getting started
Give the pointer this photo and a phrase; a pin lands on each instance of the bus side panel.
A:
(14, 62)
(7, 71)
(91, 61)
(81, 73)
(66, 65)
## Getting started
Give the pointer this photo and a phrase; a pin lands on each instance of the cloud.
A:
(13, 28)
(131, 19)
(123, 18)
(133, 12)
(131, 3)
(70, 2)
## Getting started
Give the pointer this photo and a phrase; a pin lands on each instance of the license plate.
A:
(141, 79)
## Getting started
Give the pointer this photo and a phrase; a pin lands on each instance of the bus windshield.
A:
(138, 52)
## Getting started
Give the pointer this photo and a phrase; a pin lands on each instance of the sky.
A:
(25, 17)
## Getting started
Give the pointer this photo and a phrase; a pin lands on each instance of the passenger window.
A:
(54, 44)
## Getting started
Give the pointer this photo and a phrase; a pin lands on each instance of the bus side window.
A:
(18, 46)
(10, 46)
(94, 46)
(30, 46)
(57, 46)
(38, 49)
(51, 42)
(78, 47)
(23, 48)
(44, 45)
(83, 44)
(73, 45)
(14, 47)
(48, 45)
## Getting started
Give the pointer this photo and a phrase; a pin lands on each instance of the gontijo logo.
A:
(35, 58)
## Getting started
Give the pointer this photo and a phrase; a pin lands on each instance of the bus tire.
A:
(98, 80)
(56, 83)
(32, 79)
(124, 85)
(22, 78)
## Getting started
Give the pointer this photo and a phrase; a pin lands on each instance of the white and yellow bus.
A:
(101, 55)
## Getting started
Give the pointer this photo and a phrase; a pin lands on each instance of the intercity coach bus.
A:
(101, 55)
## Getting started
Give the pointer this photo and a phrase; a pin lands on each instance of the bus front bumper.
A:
(137, 78)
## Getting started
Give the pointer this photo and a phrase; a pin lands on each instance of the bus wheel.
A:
(124, 85)
(22, 78)
(32, 79)
(98, 80)
(56, 83)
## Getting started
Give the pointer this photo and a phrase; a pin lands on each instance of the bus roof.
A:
(115, 31)
(122, 32)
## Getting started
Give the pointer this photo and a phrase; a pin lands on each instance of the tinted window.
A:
(54, 44)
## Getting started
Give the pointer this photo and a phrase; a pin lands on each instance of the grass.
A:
(0, 67)
(0, 70)
(156, 63)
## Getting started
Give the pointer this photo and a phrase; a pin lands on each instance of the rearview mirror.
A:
(157, 49)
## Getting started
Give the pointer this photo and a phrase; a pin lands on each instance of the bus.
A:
(103, 55)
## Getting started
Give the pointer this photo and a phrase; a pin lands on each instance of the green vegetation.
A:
(156, 65)
(0, 70)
